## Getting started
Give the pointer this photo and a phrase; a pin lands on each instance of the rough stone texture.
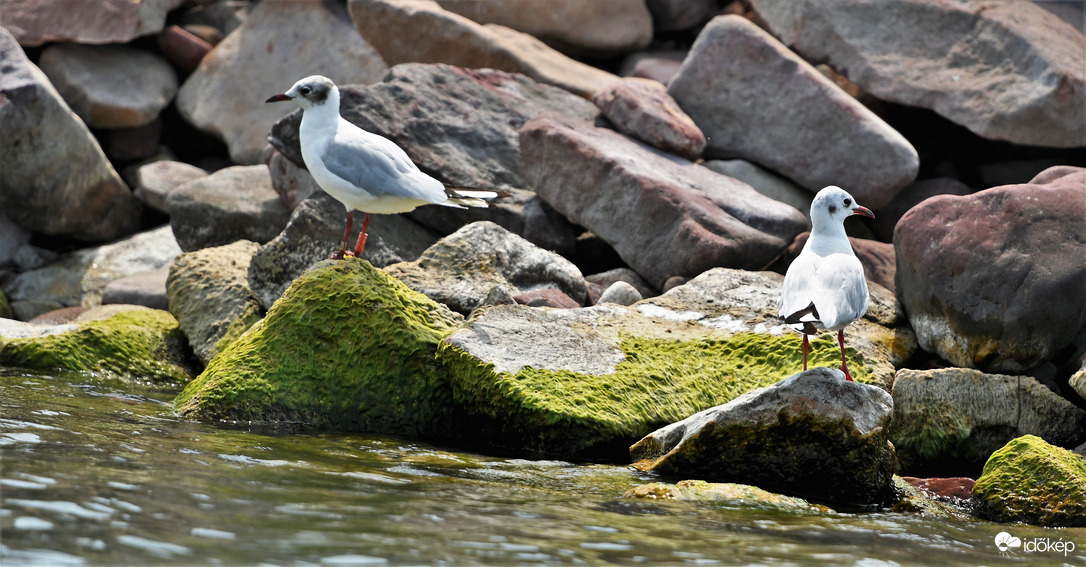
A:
(153, 182)
(758, 101)
(313, 234)
(599, 28)
(545, 297)
(462, 268)
(644, 110)
(605, 279)
(1005, 70)
(183, 48)
(129, 341)
(1031, 481)
(110, 86)
(210, 297)
(659, 66)
(994, 280)
(459, 125)
(950, 420)
(236, 203)
(56, 179)
(724, 494)
(35, 22)
(676, 15)
(663, 215)
(12, 238)
(887, 217)
(877, 258)
(347, 348)
(813, 435)
(279, 43)
(293, 183)
(421, 31)
(141, 288)
(80, 277)
(1078, 381)
(765, 182)
(620, 293)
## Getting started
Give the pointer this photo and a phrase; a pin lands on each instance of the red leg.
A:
(805, 347)
(346, 234)
(362, 236)
(844, 365)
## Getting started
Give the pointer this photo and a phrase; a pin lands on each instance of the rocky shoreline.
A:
(157, 223)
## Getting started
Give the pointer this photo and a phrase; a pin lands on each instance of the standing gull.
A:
(362, 170)
(825, 287)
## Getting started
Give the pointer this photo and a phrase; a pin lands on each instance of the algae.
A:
(1031, 481)
(141, 343)
(347, 347)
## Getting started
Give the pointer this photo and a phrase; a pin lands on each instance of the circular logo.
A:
(1005, 541)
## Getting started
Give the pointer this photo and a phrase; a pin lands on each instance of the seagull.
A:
(364, 171)
(825, 287)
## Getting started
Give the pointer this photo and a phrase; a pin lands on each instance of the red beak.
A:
(857, 210)
(277, 98)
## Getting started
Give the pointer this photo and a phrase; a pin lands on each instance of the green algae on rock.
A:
(126, 340)
(1030, 481)
(347, 347)
(726, 493)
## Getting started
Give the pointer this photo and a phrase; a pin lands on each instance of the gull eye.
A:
(848, 202)
(305, 90)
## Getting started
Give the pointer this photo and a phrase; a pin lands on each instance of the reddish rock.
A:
(183, 48)
(955, 488)
(644, 110)
(35, 22)
(548, 297)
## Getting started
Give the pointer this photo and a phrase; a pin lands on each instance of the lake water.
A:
(100, 472)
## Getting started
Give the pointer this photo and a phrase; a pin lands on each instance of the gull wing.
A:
(379, 166)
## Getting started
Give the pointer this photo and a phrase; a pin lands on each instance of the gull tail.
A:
(800, 321)
(460, 197)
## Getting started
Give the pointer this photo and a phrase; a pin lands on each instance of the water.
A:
(100, 472)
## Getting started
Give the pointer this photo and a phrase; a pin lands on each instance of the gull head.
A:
(310, 92)
(832, 205)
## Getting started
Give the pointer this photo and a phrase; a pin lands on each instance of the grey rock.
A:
(12, 238)
(293, 183)
(758, 101)
(35, 22)
(236, 203)
(951, 420)
(605, 279)
(620, 293)
(812, 435)
(643, 109)
(1006, 70)
(56, 179)
(225, 96)
(677, 15)
(153, 182)
(463, 268)
(141, 288)
(110, 86)
(765, 182)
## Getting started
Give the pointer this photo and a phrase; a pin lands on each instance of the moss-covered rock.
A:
(1030, 481)
(347, 347)
(127, 340)
(725, 493)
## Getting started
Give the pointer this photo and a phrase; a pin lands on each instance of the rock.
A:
(12, 238)
(644, 110)
(950, 420)
(673, 282)
(663, 215)
(222, 15)
(35, 22)
(183, 48)
(909, 499)
(153, 182)
(81, 277)
(56, 179)
(460, 125)
(225, 95)
(660, 66)
(210, 297)
(605, 279)
(129, 341)
(993, 280)
(314, 233)
(1017, 74)
(136, 143)
(346, 348)
(546, 297)
(956, 490)
(294, 184)
(678, 15)
(813, 435)
(141, 288)
(110, 86)
(462, 268)
(1031, 481)
(887, 217)
(421, 31)
(726, 494)
(765, 182)
(620, 293)
(1078, 380)
(756, 100)
(236, 203)
(601, 28)
(877, 258)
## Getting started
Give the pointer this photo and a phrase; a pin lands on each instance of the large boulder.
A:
(993, 280)
(35, 22)
(813, 435)
(56, 179)
(949, 421)
(129, 341)
(644, 110)
(758, 101)
(348, 348)
(663, 215)
(225, 95)
(153, 182)
(462, 269)
(1031, 481)
(421, 31)
(1006, 70)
